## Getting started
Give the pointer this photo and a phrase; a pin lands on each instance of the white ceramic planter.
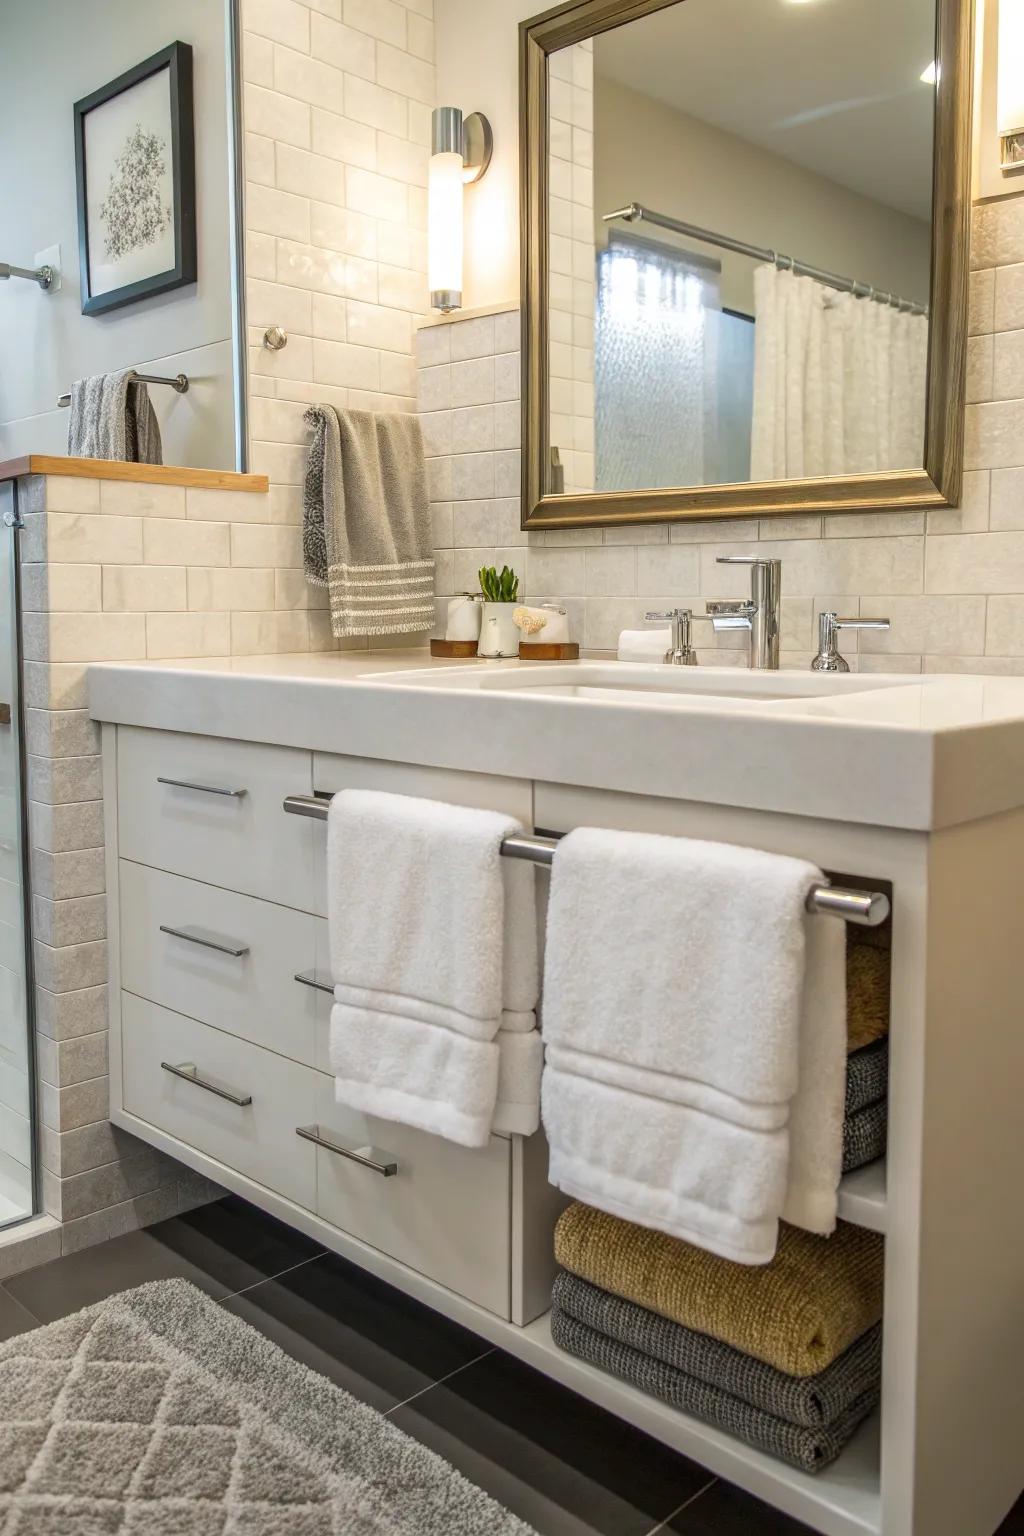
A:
(498, 635)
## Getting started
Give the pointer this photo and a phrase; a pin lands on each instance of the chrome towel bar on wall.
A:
(179, 384)
(868, 909)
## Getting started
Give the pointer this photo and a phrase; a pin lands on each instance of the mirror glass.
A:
(54, 53)
(739, 222)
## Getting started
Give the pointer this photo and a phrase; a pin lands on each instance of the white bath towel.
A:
(520, 1061)
(433, 951)
(684, 1088)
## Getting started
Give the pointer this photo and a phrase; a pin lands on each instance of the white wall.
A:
(52, 53)
(705, 176)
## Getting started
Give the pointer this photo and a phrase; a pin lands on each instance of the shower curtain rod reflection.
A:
(634, 213)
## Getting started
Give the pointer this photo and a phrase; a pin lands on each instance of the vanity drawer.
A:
(256, 1138)
(480, 791)
(231, 960)
(211, 809)
(446, 1212)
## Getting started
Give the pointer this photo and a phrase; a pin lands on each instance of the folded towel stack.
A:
(865, 1126)
(787, 1356)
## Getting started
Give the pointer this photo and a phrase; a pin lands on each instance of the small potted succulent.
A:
(498, 635)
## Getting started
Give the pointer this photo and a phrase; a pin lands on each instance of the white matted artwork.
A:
(136, 183)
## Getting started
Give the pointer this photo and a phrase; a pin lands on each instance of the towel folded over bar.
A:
(798, 1313)
(809, 1449)
(810, 1401)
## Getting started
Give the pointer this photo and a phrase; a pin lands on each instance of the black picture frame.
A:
(177, 60)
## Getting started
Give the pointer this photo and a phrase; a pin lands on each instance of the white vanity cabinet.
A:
(220, 1010)
(470, 1232)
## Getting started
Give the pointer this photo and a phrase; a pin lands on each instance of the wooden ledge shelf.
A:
(143, 474)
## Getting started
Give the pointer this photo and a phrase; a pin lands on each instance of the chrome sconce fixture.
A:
(41, 275)
(460, 152)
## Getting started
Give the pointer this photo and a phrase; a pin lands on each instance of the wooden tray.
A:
(535, 650)
(453, 648)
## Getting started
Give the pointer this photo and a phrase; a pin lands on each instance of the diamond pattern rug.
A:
(158, 1413)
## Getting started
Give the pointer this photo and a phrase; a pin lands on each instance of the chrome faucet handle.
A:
(746, 560)
(681, 652)
(828, 658)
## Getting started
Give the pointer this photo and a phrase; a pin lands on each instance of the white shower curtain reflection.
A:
(839, 382)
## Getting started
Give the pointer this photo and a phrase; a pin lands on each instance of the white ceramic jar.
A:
(498, 635)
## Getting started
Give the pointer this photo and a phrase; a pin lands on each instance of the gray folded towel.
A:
(112, 417)
(867, 1075)
(810, 1401)
(810, 1449)
(366, 521)
(865, 1135)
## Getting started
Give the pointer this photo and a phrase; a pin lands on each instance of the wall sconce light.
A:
(460, 152)
(1010, 106)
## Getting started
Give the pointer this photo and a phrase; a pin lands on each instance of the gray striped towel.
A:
(366, 521)
(809, 1401)
(810, 1449)
(867, 1075)
(865, 1135)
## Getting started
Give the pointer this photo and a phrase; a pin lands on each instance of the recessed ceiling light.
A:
(931, 74)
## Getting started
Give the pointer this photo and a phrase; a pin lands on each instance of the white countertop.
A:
(911, 751)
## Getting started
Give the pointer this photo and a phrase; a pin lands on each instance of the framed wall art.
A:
(135, 170)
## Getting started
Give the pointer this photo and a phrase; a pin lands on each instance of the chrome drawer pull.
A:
(204, 789)
(318, 979)
(207, 940)
(367, 1157)
(189, 1072)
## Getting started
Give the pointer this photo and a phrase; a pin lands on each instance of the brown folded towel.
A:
(797, 1313)
(867, 994)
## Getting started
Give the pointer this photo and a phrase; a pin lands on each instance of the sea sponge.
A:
(529, 623)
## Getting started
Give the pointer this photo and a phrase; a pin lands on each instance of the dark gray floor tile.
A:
(1013, 1525)
(365, 1336)
(727, 1511)
(14, 1318)
(557, 1461)
(235, 1242)
(221, 1248)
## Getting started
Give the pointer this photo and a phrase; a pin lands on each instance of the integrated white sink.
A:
(658, 686)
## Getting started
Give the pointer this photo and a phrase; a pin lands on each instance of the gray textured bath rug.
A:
(158, 1413)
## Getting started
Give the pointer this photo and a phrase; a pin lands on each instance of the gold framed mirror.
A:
(745, 258)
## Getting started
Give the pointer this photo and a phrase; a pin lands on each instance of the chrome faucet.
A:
(828, 658)
(681, 652)
(760, 615)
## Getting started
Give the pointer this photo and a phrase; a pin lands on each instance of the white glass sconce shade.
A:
(460, 153)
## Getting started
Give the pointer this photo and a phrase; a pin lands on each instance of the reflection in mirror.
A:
(54, 53)
(740, 238)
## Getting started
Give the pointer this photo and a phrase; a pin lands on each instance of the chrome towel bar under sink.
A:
(868, 909)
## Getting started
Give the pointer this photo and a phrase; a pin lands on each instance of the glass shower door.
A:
(17, 1186)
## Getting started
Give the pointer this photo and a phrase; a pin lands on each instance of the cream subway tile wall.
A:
(337, 103)
(952, 582)
(118, 570)
(571, 260)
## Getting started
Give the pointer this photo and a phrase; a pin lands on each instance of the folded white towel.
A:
(685, 1088)
(433, 950)
(644, 644)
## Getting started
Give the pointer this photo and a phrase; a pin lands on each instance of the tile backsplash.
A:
(952, 582)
